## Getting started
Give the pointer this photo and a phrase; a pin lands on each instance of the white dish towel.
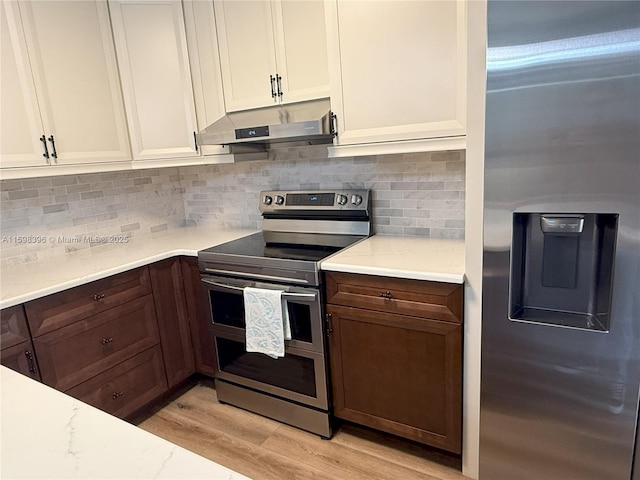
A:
(266, 320)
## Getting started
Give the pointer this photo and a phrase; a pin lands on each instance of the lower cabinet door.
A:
(398, 373)
(173, 321)
(21, 358)
(199, 318)
(123, 389)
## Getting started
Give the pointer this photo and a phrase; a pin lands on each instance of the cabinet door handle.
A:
(115, 395)
(195, 141)
(386, 294)
(45, 154)
(278, 79)
(54, 152)
(272, 80)
(31, 362)
(327, 319)
(98, 296)
(106, 341)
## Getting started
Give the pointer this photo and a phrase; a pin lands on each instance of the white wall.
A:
(476, 87)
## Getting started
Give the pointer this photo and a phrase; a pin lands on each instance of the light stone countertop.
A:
(417, 258)
(47, 434)
(24, 282)
(434, 259)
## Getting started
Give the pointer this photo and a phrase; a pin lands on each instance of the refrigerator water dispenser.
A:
(562, 269)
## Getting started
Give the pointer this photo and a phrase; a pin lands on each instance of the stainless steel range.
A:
(299, 229)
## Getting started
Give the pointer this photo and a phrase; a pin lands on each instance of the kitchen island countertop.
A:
(418, 258)
(47, 434)
(28, 281)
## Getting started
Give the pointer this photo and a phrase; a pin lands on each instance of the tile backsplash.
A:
(413, 194)
(40, 217)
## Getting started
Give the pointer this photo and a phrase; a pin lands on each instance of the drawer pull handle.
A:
(386, 294)
(115, 395)
(98, 296)
(105, 341)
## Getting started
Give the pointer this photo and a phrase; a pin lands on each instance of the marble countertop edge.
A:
(392, 272)
(29, 281)
(92, 277)
(70, 439)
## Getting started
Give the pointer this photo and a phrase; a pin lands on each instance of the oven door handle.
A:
(284, 294)
(255, 276)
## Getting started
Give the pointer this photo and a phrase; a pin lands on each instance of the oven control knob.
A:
(356, 199)
(267, 200)
(279, 200)
(342, 199)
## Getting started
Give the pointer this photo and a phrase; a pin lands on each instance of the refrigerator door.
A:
(559, 399)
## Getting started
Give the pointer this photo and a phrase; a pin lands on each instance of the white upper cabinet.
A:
(205, 69)
(398, 71)
(156, 77)
(301, 49)
(271, 52)
(61, 100)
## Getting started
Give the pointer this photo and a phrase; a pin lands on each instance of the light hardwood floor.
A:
(264, 449)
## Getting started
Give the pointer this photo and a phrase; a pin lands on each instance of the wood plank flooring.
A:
(264, 449)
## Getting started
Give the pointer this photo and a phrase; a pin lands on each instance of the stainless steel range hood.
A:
(250, 134)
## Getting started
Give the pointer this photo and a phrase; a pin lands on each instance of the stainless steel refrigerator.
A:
(561, 275)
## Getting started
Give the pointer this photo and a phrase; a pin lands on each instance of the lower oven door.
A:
(304, 305)
(299, 376)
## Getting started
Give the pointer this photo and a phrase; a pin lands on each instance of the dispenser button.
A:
(562, 224)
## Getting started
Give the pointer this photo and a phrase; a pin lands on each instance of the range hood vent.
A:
(250, 134)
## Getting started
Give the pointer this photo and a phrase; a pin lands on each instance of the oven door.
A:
(299, 376)
(304, 304)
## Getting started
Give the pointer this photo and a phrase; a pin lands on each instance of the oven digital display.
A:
(311, 199)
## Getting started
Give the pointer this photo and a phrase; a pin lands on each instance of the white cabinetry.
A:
(205, 69)
(398, 74)
(61, 100)
(271, 51)
(156, 77)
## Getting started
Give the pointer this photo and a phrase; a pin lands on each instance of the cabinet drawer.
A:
(77, 352)
(55, 311)
(420, 298)
(14, 327)
(123, 389)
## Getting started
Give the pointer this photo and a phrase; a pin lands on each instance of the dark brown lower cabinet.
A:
(392, 371)
(173, 320)
(79, 351)
(117, 343)
(128, 386)
(199, 317)
(16, 349)
(21, 358)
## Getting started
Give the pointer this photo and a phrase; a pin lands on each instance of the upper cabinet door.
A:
(20, 123)
(247, 53)
(206, 74)
(271, 52)
(398, 69)
(301, 49)
(156, 78)
(71, 62)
